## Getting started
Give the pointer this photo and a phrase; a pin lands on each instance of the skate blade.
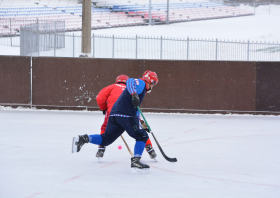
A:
(74, 146)
(155, 159)
(99, 159)
(140, 171)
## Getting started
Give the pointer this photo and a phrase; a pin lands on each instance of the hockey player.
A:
(125, 117)
(105, 100)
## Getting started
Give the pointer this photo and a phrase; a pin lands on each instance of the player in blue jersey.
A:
(125, 117)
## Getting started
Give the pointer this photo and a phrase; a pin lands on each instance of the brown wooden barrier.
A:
(204, 85)
(15, 80)
(75, 81)
(183, 85)
(268, 86)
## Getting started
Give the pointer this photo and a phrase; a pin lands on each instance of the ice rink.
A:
(219, 156)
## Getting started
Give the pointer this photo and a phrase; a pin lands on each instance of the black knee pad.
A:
(143, 136)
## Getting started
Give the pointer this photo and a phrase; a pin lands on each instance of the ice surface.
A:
(219, 156)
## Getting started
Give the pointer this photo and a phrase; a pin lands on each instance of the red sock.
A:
(149, 142)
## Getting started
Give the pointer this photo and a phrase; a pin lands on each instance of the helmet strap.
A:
(147, 85)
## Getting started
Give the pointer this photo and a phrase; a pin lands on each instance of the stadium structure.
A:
(111, 13)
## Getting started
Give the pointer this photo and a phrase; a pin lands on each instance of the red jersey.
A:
(109, 95)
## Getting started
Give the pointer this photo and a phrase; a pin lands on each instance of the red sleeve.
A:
(102, 97)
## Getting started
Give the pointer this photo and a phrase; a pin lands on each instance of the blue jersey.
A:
(123, 106)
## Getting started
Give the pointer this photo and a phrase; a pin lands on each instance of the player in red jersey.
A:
(105, 100)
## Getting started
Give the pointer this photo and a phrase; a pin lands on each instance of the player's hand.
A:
(145, 126)
(104, 111)
(135, 100)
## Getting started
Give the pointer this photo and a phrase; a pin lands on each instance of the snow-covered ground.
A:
(261, 27)
(219, 156)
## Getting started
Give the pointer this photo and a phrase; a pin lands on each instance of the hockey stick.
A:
(127, 146)
(167, 158)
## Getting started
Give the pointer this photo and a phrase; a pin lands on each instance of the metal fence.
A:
(144, 47)
(38, 37)
(10, 31)
(141, 47)
(256, 7)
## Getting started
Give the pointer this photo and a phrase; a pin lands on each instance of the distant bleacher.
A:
(36, 3)
(113, 14)
(163, 6)
(111, 3)
(179, 12)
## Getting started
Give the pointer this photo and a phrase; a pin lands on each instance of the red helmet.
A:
(146, 72)
(150, 77)
(122, 78)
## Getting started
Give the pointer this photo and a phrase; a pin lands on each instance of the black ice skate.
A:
(138, 167)
(151, 152)
(100, 152)
(78, 142)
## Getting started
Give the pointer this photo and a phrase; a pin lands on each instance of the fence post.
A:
(167, 17)
(136, 46)
(54, 39)
(188, 48)
(161, 47)
(150, 12)
(216, 49)
(73, 45)
(248, 50)
(31, 75)
(45, 39)
(30, 44)
(38, 34)
(113, 47)
(11, 32)
(93, 45)
(31, 82)
(54, 42)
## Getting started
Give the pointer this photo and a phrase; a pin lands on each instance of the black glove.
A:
(135, 100)
(104, 111)
(145, 126)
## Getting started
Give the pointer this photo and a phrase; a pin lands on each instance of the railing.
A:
(10, 29)
(38, 37)
(145, 47)
(257, 7)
